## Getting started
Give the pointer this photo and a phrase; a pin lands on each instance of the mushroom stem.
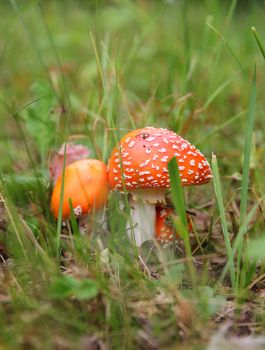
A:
(143, 214)
(143, 218)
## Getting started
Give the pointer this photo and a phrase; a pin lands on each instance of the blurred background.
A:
(88, 72)
(82, 70)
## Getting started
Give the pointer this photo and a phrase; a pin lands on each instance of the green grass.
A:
(91, 72)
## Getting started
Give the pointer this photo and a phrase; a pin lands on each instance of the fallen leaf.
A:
(73, 152)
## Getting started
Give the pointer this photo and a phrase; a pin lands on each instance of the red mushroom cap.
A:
(142, 156)
(86, 184)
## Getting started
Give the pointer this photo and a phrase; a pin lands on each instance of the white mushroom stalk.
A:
(143, 214)
(139, 165)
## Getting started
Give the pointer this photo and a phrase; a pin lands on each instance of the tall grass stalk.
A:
(256, 36)
(180, 221)
(59, 222)
(241, 232)
(219, 198)
(33, 42)
(246, 166)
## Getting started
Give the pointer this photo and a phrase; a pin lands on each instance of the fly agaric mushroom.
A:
(86, 185)
(139, 164)
(164, 232)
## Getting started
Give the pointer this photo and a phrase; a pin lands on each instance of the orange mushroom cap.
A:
(144, 154)
(86, 184)
(164, 232)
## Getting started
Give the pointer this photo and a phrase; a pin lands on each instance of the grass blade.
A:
(180, 221)
(246, 166)
(226, 45)
(177, 192)
(247, 148)
(219, 198)
(256, 36)
(59, 222)
(242, 229)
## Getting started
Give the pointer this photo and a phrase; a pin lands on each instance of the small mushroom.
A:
(165, 231)
(86, 185)
(139, 163)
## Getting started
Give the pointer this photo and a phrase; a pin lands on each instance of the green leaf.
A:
(87, 289)
(256, 249)
(209, 303)
(65, 286)
(39, 119)
(174, 274)
(62, 287)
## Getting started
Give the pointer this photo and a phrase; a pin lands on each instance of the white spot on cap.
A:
(150, 139)
(142, 173)
(162, 150)
(155, 157)
(190, 172)
(141, 165)
(127, 163)
(192, 162)
(131, 144)
(156, 167)
(175, 146)
(148, 150)
(164, 159)
(181, 167)
(192, 153)
(163, 213)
